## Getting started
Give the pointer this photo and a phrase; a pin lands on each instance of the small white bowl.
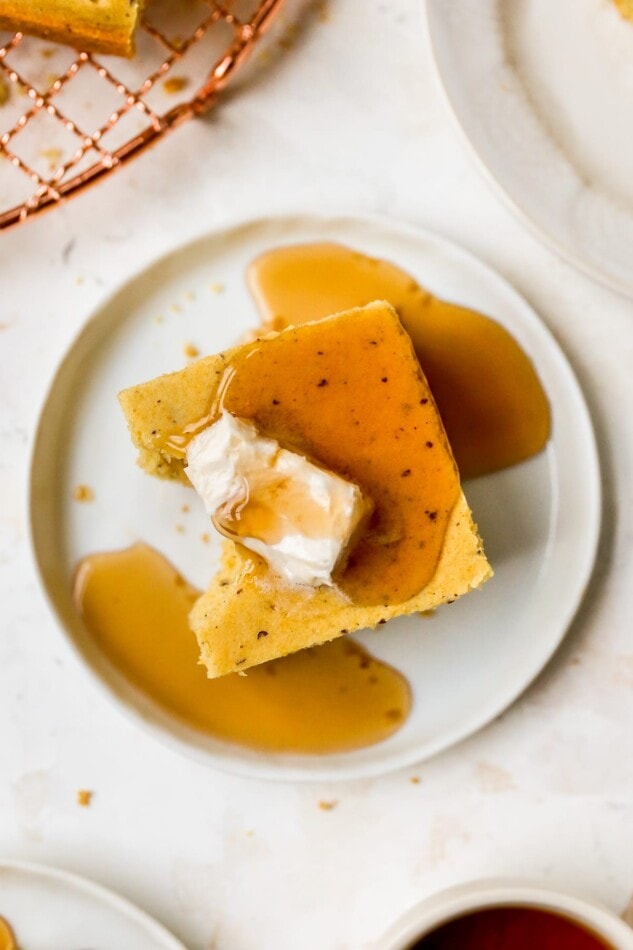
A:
(457, 901)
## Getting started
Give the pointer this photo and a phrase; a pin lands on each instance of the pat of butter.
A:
(298, 516)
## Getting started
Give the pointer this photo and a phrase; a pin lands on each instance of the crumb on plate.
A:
(83, 493)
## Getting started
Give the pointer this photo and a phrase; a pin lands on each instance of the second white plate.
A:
(50, 909)
(543, 92)
(539, 520)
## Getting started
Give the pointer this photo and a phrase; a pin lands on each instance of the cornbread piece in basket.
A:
(348, 393)
(98, 26)
(625, 7)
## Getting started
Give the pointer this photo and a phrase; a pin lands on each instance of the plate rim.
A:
(533, 226)
(79, 882)
(333, 767)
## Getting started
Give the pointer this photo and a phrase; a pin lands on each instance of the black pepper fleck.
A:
(322, 383)
(429, 445)
(262, 633)
(406, 473)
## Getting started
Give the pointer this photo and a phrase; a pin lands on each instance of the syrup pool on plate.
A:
(330, 698)
(334, 697)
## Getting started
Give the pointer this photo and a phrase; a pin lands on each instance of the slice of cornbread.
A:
(349, 392)
(106, 26)
(625, 7)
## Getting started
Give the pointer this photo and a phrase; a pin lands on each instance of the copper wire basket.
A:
(69, 118)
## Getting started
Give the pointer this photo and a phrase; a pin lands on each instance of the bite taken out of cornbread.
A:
(320, 456)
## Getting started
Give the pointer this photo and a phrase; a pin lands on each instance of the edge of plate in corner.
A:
(537, 230)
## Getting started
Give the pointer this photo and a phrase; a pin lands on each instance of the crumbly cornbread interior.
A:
(248, 615)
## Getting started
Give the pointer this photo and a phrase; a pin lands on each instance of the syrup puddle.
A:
(331, 698)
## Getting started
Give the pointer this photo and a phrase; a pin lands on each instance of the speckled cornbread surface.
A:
(249, 615)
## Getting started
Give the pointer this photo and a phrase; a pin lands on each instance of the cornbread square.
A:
(375, 390)
(105, 26)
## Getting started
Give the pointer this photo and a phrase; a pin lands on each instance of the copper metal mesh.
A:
(68, 118)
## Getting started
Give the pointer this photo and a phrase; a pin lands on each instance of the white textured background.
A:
(347, 119)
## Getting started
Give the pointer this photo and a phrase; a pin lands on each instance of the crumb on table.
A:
(328, 806)
(5, 91)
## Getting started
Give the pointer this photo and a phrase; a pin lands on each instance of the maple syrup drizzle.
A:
(331, 698)
(492, 404)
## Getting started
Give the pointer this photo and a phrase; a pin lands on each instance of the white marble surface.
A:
(349, 118)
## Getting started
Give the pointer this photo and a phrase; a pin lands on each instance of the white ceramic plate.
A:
(539, 520)
(543, 90)
(50, 909)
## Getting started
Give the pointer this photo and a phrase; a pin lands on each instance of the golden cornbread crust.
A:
(105, 26)
(249, 616)
(269, 621)
(625, 7)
